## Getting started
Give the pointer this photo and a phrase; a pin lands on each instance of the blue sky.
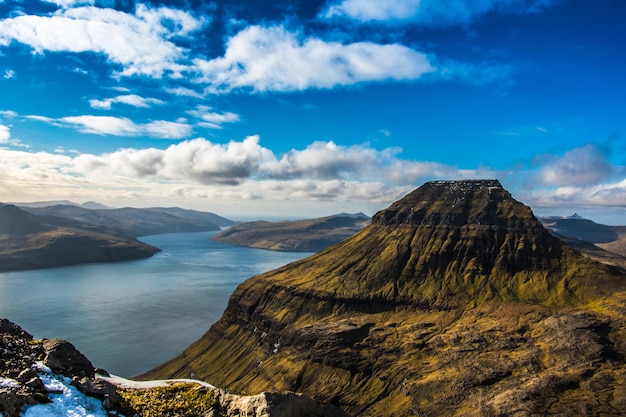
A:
(310, 107)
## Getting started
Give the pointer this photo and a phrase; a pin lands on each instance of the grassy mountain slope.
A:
(30, 242)
(454, 301)
(310, 235)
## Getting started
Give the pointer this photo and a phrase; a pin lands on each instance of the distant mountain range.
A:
(310, 235)
(454, 301)
(31, 242)
(598, 241)
(136, 221)
(66, 234)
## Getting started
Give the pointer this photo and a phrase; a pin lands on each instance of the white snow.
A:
(7, 383)
(128, 383)
(69, 402)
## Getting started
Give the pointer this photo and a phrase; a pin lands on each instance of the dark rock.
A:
(100, 389)
(10, 328)
(62, 357)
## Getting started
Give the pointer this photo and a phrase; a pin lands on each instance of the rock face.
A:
(454, 301)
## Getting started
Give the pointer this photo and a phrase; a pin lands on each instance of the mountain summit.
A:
(454, 301)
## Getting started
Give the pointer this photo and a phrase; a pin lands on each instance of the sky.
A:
(306, 108)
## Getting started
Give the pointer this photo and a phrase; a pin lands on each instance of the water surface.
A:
(129, 317)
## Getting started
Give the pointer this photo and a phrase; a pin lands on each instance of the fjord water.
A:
(129, 317)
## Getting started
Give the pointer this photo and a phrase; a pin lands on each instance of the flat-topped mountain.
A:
(454, 301)
(31, 242)
(138, 222)
(309, 235)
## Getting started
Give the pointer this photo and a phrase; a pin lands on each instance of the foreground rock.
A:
(455, 301)
(31, 242)
(35, 373)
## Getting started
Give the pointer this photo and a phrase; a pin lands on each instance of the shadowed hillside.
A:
(31, 242)
(454, 301)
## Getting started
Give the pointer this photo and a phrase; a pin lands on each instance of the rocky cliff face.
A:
(454, 301)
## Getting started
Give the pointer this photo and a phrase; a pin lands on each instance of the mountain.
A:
(310, 235)
(31, 242)
(454, 301)
(598, 241)
(138, 222)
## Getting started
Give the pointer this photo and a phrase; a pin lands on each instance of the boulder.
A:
(63, 358)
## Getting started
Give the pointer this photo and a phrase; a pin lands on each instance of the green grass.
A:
(179, 400)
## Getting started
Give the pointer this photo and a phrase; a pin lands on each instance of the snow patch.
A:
(67, 400)
(7, 383)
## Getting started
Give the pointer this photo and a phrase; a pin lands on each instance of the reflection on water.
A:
(129, 317)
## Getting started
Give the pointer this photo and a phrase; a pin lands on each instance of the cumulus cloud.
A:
(5, 134)
(128, 99)
(142, 43)
(582, 166)
(196, 160)
(431, 12)
(211, 119)
(611, 194)
(326, 160)
(273, 59)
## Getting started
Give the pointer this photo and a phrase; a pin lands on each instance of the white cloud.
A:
(198, 173)
(6, 139)
(183, 92)
(140, 43)
(70, 3)
(273, 59)
(5, 134)
(196, 160)
(119, 126)
(212, 120)
(129, 99)
(9, 74)
(587, 165)
(432, 12)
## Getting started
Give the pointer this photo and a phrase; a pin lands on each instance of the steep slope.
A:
(31, 242)
(454, 301)
(310, 235)
(138, 222)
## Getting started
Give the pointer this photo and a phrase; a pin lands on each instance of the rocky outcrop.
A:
(25, 361)
(454, 301)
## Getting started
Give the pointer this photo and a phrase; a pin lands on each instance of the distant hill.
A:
(31, 242)
(454, 301)
(598, 241)
(309, 235)
(138, 222)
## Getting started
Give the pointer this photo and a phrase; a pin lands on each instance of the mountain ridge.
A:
(454, 301)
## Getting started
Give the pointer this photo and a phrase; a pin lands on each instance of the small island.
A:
(310, 235)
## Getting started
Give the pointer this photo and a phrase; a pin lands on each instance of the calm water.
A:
(129, 317)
